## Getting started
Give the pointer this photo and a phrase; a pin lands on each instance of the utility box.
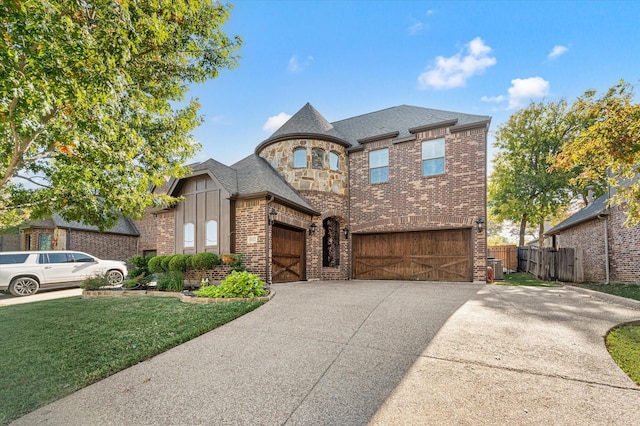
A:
(496, 264)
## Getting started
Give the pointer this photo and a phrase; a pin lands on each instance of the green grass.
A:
(523, 279)
(623, 344)
(52, 348)
(630, 291)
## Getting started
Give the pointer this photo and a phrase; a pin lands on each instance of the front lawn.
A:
(52, 348)
(630, 291)
(623, 344)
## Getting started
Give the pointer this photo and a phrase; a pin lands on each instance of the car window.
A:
(8, 259)
(56, 258)
(81, 257)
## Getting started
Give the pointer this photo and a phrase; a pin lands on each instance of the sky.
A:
(349, 58)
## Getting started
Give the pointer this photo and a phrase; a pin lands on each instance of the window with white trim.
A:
(379, 165)
(300, 158)
(433, 157)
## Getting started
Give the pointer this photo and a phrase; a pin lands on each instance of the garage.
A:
(443, 255)
(288, 254)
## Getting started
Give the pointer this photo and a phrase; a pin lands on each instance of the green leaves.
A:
(86, 101)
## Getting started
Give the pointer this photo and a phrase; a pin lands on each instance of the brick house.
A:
(394, 194)
(117, 243)
(611, 250)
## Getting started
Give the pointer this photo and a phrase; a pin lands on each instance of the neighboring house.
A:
(393, 194)
(611, 250)
(117, 243)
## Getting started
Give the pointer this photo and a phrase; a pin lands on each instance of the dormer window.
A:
(300, 158)
(317, 158)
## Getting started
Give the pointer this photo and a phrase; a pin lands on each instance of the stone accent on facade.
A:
(280, 156)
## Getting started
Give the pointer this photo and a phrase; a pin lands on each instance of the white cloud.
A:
(275, 122)
(496, 99)
(456, 70)
(557, 51)
(527, 88)
(415, 28)
(295, 65)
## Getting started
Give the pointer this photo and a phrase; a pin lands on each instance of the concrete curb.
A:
(628, 303)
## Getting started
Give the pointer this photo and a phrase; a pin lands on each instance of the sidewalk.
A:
(522, 356)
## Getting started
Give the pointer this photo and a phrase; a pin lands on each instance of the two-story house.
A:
(393, 194)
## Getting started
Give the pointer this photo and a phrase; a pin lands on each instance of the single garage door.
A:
(288, 254)
(424, 255)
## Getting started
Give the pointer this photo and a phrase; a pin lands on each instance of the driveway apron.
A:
(317, 353)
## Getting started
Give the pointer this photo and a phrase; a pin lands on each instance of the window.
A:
(379, 166)
(189, 235)
(334, 161)
(300, 158)
(81, 257)
(317, 158)
(212, 233)
(331, 242)
(55, 258)
(10, 259)
(44, 242)
(433, 157)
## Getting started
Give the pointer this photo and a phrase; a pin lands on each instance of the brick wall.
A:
(103, 246)
(148, 229)
(409, 201)
(251, 235)
(624, 248)
(589, 236)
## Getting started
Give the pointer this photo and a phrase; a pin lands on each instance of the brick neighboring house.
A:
(393, 194)
(117, 243)
(611, 250)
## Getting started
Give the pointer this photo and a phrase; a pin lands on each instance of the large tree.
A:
(521, 187)
(92, 108)
(608, 145)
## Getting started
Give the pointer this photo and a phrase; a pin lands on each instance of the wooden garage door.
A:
(288, 254)
(426, 255)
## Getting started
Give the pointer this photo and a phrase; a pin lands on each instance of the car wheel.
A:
(24, 286)
(115, 276)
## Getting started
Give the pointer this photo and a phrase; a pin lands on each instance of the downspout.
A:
(349, 257)
(606, 250)
(268, 245)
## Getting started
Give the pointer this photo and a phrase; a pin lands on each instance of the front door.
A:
(288, 254)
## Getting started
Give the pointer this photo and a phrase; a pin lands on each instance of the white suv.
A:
(25, 272)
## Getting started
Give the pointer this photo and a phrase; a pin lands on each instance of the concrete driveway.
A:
(380, 353)
(8, 299)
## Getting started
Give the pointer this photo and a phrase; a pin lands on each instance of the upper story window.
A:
(317, 158)
(334, 161)
(433, 157)
(212, 233)
(189, 235)
(300, 158)
(379, 165)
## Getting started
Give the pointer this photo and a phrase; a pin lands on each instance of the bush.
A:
(237, 284)
(205, 260)
(178, 262)
(95, 282)
(155, 264)
(235, 261)
(165, 262)
(170, 281)
(140, 266)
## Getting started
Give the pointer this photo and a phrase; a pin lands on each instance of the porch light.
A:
(346, 232)
(272, 216)
(479, 223)
(312, 228)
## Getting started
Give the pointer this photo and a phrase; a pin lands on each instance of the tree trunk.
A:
(523, 228)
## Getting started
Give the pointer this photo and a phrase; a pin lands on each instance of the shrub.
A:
(165, 262)
(170, 281)
(178, 262)
(140, 266)
(95, 282)
(155, 264)
(237, 284)
(205, 260)
(235, 261)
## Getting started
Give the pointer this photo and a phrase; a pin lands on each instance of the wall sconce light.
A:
(272, 216)
(346, 232)
(312, 228)
(479, 223)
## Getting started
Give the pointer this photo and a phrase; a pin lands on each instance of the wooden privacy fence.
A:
(549, 264)
(508, 255)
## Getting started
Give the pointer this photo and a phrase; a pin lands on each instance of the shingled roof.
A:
(597, 208)
(398, 122)
(124, 226)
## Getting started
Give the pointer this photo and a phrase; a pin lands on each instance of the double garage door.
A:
(424, 255)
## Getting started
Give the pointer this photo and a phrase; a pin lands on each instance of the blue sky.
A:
(353, 57)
